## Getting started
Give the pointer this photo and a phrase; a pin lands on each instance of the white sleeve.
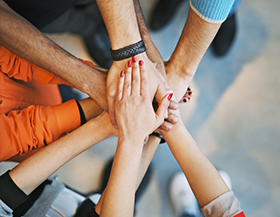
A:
(224, 205)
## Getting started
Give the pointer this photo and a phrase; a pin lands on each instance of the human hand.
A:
(179, 82)
(158, 85)
(134, 112)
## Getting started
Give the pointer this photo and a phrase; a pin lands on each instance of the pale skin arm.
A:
(23, 39)
(204, 179)
(147, 155)
(45, 162)
(195, 39)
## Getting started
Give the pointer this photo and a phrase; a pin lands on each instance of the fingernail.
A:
(122, 74)
(188, 89)
(134, 59)
(185, 100)
(129, 63)
(141, 63)
(170, 96)
(189, 93)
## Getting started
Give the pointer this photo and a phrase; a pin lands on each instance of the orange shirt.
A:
(31, 113)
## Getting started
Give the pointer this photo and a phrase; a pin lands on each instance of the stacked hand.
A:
(135, 116)
(158, 85)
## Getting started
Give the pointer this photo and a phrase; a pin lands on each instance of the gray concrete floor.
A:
(234, 115)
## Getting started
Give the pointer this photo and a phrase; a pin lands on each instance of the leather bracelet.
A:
(128, 51)
(159, 136)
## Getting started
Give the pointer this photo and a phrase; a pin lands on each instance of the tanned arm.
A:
(195, 39)
(23, 39)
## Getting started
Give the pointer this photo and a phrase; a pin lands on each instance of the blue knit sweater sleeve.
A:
(212, 11)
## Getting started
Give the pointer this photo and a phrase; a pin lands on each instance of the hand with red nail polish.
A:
(135, 115)
(158, 85)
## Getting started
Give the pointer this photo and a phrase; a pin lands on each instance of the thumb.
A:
(163, 105)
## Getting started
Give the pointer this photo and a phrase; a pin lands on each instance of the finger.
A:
(127, 80)
(120, 86)
(144, 86)
(173, 105)
(189, 93)
(146, 139)
(135, 76)
(184, 100)
(111, 108)
(172, 118)
(166, 126)
(187, 97)
(162, 108)
(163, 88)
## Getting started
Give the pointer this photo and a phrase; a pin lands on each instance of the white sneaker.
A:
(181, 196)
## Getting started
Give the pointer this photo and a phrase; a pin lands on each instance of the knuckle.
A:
(127, 85)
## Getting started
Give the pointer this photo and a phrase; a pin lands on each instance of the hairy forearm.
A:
(152, 52)
(44, 163)
(193, 43)
(120, 20)
(202, 176)
(23, 39)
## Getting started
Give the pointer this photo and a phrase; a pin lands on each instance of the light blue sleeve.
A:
(212, 11)
(5, 211)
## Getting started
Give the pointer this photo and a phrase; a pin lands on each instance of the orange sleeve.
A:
(35, 127)
(19, 68)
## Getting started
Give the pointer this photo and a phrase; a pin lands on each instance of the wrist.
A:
(134, 142)
(159, 136)
(183, 69)
(176, 128)
(105, 126)
(123, 63)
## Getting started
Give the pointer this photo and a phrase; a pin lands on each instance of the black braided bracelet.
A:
(162, 140)
(128, 51)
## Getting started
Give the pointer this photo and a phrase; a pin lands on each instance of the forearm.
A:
(146, 158)
(147, 155)
(152, 52)
(204, 20)
(120, 20)
(23, 39)
(44, 163)
(193, 43)
(120, 190)
(90, 108)
(202, 176)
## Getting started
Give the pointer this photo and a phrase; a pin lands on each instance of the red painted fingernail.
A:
(170, 96)
(122, 74)
(185, 100)
(141, 62)
(189, 93)
(188, 89)
(134, 59)
(129, 63)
